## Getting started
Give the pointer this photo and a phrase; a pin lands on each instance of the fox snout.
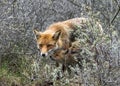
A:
(44, 54)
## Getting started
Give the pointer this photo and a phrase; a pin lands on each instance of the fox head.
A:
(47, 42)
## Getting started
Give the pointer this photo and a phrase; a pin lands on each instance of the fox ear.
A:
(57, 35)
(37, 33)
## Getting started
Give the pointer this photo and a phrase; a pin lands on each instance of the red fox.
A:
(57, 39)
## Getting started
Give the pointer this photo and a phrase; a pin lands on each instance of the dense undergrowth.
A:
(20, 62)
(99, 66)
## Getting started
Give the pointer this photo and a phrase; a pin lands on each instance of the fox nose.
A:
(43, 55)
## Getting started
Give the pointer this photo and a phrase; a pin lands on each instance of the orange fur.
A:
(57, 39)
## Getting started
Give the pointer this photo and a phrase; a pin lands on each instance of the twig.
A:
(115, 15)
(71, 1)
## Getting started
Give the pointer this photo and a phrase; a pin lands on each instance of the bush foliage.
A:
(20, 62)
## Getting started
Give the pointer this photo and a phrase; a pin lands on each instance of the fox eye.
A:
(40, 45)
(50, 45)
